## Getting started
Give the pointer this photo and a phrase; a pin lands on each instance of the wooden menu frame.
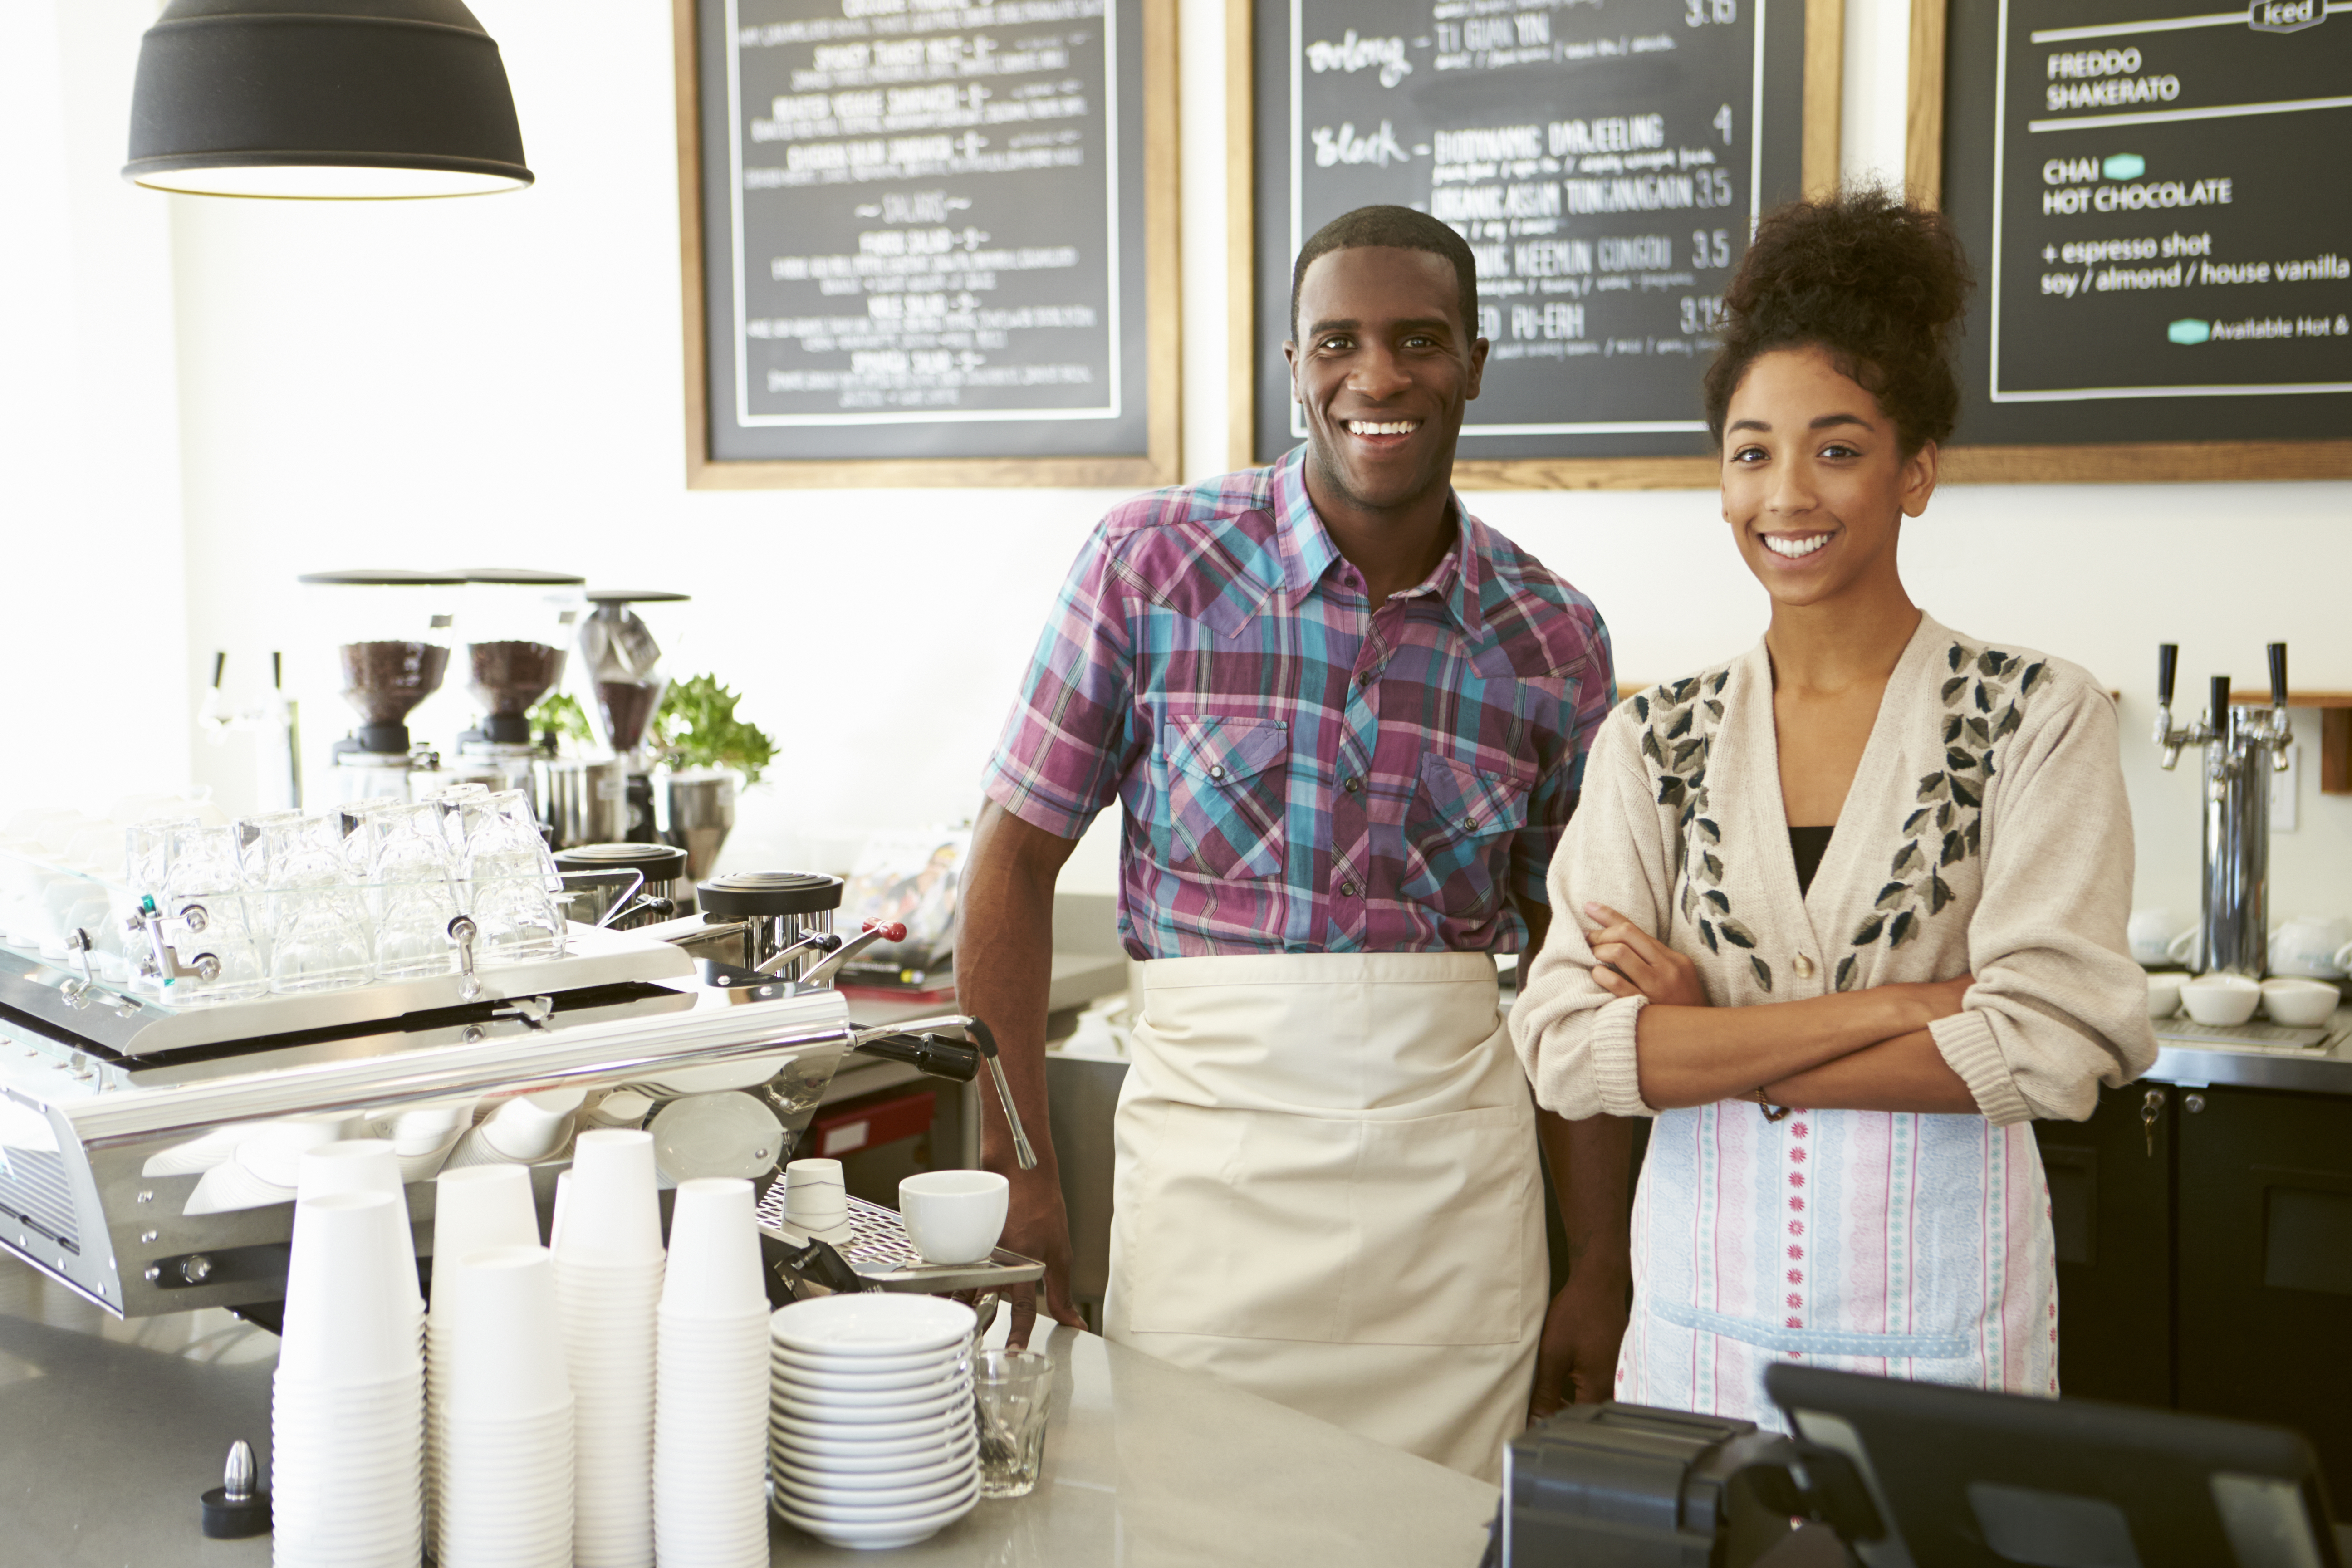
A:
(1157, 464)
(1824, 95)
(2114, 463)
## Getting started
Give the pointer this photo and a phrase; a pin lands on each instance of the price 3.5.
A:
(1710, 248)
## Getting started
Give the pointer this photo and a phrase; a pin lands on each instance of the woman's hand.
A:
(1630, 962)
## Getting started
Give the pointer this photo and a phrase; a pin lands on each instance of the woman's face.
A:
(1815, 484)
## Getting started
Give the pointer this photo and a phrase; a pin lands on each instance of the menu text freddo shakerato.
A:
(1605, 163)
(925, 225)
(2172, 200)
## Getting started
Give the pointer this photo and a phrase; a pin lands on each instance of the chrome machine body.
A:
(127, 1124)
(2244, 746)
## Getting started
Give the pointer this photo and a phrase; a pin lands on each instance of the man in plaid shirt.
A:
(1346, 723)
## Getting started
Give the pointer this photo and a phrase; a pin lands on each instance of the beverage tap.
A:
(2244, 744)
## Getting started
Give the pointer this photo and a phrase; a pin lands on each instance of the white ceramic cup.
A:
(2164, 993)
(2151, 933)
(2309, 946)
(954, 1216)
(816, 1196)
(2221, 998)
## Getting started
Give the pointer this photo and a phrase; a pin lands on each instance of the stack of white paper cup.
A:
(474, 1210)
(507, 1440)
(711, 1395)
(608, 1282)
(367, 1165)
(348, 1422)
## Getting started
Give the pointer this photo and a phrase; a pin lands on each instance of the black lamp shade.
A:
(337, 100)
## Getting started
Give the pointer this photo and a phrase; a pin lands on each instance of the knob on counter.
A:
(239, 1506)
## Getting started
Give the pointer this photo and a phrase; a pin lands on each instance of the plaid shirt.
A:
(1302, 772)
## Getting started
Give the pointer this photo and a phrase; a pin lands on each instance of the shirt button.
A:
(1363, 677)
(1216, 772)
(1346, 890)
(1354, 784)
(1469, 824)
(1803, 966)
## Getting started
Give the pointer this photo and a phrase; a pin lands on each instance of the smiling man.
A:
(1346, 723)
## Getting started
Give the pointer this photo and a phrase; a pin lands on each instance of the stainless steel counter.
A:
(109, 1431)
(2327, 1072)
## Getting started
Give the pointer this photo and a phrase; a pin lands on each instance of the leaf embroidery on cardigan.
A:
(1986, 681)
(1679, 722)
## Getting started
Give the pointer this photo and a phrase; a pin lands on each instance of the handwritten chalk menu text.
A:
(1605, 162)
(2161, 209)
(922, 229)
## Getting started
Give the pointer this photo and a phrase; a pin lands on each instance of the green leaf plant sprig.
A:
(694, 727)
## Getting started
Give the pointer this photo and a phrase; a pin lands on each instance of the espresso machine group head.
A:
(2244, 745)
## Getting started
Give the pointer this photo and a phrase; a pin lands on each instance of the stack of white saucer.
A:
(710, 1391)
(347, 1423)
(608, 1283)
(870, 1430)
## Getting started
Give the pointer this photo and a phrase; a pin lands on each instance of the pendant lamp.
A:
(324, 99)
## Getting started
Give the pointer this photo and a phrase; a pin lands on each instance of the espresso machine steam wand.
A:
(2243, 746)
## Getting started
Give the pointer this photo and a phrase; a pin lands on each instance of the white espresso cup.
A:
(954, 1216)
(2149, 935)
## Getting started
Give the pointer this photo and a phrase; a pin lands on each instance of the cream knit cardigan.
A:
(1986, 832)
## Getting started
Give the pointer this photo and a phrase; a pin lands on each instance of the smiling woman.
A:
(1853, 902)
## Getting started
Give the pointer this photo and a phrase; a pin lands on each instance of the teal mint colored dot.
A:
(2189, 329)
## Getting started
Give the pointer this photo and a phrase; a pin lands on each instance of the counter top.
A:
(109, 1431)
(2199, 1065)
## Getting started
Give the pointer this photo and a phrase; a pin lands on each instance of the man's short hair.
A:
(1404, 229)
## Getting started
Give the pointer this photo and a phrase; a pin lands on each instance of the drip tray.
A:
(2187, 1031)
(883, 1256)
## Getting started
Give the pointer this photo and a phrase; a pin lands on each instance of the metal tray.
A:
(883, 1256)
(2186, 1030)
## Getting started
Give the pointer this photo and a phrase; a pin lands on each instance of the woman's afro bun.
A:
(1877, 284)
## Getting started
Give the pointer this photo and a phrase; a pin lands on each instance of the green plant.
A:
(562, 713)
(695, 727)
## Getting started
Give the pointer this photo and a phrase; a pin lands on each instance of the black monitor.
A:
(1964, 1478)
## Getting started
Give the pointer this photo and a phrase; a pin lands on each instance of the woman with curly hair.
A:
(1853, 902)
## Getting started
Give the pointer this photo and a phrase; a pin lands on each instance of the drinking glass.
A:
(202, 873)
(513, 879)
(147, 854)
(413, 873)
(1014, 1391)
(317, 919)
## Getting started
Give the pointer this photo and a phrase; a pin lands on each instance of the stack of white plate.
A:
(870, 1435)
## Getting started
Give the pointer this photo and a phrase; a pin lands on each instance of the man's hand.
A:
(1629, 960)
(1576, 1361)
(1037, 1226)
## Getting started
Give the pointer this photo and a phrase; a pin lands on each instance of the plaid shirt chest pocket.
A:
(1228, 783)
(1458, 834)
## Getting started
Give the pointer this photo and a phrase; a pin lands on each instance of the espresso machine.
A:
(2244, 746)
(392, 634)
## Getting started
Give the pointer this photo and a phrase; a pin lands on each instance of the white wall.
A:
(89, 515)
(499, 381)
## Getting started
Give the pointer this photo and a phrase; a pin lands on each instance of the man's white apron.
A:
(1327, 1193)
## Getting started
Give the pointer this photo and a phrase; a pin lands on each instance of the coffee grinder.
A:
(519, 626)
(396, 629)
(622, 663)
(2244, 745)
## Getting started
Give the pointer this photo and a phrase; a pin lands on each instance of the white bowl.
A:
(2221, 999)
(804, 1491)
(944, 1426)
(850, 1514)
(954, 1216)
(872, 1413)
(880, 1536)
(790, 1363)
(2299, 1003)
(819, 1475)
(800, 1379)
(2164, 993)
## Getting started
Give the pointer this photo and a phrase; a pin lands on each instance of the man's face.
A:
(1383, 366)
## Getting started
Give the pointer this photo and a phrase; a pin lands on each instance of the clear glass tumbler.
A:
(416, 889)
(1015, 1391)
(203, 875)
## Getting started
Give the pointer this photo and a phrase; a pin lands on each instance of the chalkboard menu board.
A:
(2156, 197)
(1605, 162)
(925, 234)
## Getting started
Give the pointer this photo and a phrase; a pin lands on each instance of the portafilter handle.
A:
(914, 1042)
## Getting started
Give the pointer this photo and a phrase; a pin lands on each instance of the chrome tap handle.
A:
(2167, 663)
(2217, 713)
(2278, 676)
(462, 932)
